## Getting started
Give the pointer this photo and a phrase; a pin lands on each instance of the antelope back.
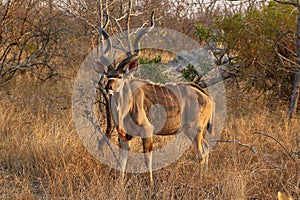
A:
(161, 104)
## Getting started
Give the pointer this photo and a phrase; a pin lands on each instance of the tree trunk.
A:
(295, 93)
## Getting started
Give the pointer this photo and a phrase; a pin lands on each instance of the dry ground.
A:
(41, 156)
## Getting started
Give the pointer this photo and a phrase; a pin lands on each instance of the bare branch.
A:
(287, 53)
(224, 75)
(100, 14)
(109, 123)
(297, 68)
(282, 146)
(296, 4)
(128, 24)
(251, 147)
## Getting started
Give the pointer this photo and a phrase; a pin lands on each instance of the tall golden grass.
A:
(41, 156)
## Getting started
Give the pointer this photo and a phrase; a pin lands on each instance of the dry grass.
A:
(41, 156)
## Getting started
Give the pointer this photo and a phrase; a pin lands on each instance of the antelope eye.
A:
(120, 76)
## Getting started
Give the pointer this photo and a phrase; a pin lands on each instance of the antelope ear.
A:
(99, 67)
(132, 65)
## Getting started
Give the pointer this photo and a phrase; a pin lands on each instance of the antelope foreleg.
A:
(148, 146)
(124, 148)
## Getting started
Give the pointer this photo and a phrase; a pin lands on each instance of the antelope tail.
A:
(211, 123)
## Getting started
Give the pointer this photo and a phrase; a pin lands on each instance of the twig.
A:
(288, 3)
(251, 147)
(283, 147)
(128, 24)
(109, 120)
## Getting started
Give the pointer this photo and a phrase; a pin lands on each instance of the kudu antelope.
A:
(132, 99)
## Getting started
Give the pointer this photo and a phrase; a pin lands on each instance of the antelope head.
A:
(116, 74)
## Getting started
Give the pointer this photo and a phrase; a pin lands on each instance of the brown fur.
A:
(178, 102)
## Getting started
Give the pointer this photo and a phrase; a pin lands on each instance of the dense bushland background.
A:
(42, 44)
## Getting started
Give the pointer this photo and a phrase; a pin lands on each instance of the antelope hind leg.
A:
(202, 148)
(203, 154)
